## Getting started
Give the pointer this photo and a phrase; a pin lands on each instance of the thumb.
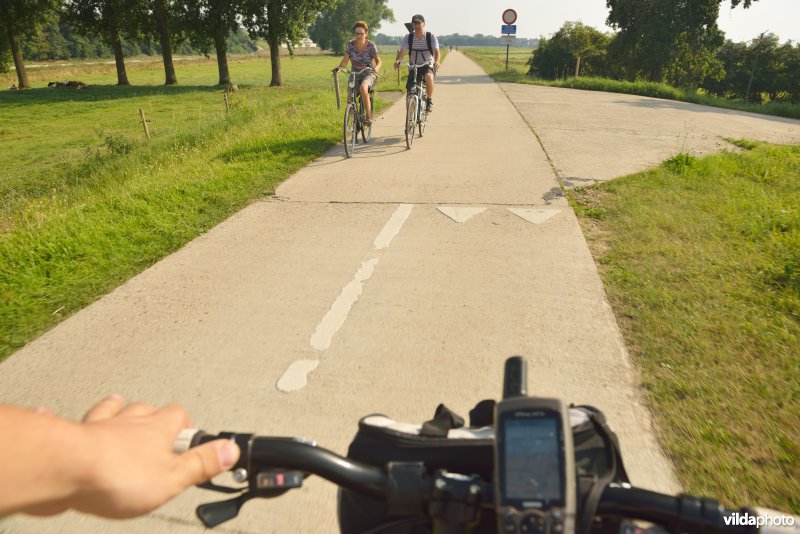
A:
(200, 464)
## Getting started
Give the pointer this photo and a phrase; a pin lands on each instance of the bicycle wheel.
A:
(350, 125)
(423, 115)
(411, 119)
(366, 130)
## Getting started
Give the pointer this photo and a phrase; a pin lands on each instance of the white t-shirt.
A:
(419, 48)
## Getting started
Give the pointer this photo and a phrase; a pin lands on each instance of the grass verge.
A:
(86, 202)
(492, 60)
(701, 262)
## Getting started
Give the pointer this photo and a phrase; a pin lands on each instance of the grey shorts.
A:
(369, 77)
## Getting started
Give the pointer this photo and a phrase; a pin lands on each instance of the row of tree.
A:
(205, 24)
(59, 41)
(672, 41)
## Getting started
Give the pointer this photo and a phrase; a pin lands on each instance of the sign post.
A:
(509, 29)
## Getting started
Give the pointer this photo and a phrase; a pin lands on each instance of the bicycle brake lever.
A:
(215, 513)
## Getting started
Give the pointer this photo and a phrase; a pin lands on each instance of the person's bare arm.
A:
(117, 463)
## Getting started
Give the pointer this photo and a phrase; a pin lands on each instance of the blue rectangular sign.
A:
(509, 29)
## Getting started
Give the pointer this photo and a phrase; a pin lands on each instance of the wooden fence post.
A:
(144, 124)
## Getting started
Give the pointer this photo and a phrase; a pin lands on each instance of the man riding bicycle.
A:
(422, 46)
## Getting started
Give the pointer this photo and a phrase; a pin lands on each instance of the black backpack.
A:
(411, 43)
(469, 450)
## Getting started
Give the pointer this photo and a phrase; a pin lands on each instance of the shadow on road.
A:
(477, 79)
(653, 103)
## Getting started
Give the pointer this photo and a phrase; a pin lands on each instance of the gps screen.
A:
(532, 460)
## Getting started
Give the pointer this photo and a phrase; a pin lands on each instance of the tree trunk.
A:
(273, 22)
(275, 61)
(657, 73)
(578, 67)
(122, 75)
(16, 52)
(160, 13)
(222, 59)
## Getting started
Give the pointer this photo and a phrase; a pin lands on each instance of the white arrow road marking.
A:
(296, 376)
(533, 215)
(459, 214)
(392, 228)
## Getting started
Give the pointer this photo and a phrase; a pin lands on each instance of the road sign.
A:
(509, 16)
(508, 29)
(508, 39)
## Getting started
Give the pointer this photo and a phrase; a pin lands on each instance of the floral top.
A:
(361, 60)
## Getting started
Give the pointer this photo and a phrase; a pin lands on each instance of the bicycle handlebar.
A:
(426, 64)
(267, 464)
(353, 72)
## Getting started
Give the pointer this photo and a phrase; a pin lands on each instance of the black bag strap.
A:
(599, 485)
(443, 421)
(482, 414)
(428, 39)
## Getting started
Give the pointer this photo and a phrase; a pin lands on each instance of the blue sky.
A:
(541, 17)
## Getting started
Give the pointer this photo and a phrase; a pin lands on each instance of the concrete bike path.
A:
(593, 136)
(389, 282)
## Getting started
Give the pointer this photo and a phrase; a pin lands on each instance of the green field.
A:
(87, 202)
(701, 262)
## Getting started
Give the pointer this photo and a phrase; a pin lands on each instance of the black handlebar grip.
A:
(515, 378)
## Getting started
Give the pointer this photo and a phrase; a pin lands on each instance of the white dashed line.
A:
(392, 228)
(337, 315)
(296, 376)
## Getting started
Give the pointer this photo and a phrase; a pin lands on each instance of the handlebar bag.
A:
(445, 443)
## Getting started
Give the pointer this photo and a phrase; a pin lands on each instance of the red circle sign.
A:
(509, 16)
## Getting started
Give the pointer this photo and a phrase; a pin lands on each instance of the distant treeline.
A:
(58, 41)
(677, 43)
(763, 69)
(462, 40)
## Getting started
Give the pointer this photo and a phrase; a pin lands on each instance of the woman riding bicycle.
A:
(361, 52)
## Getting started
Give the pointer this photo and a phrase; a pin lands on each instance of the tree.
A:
(163, 27)
(21, 18)
(583, 41)
(108, 20)
(280, 22)
(333, 28)
(209, 22)
(763, 66)
(652, 31)
(563, 53)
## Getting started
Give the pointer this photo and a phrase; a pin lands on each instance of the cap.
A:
(417, 18)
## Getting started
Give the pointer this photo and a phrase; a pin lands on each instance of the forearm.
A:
(41, 464)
